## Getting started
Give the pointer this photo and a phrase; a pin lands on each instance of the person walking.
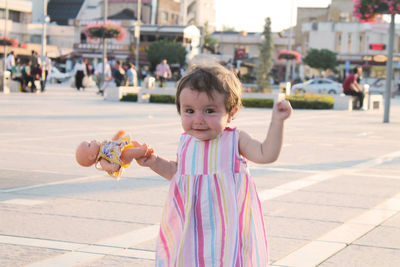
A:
(45, 63)
(163, 72)
(10, 62)
(80, 73)
(98, 72)
(132, 75)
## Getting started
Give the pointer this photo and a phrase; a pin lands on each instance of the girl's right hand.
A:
(147, 160)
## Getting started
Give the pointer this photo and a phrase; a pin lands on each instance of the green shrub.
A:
(132, 97)
(162, 99)
(257, 102)
(308, 101)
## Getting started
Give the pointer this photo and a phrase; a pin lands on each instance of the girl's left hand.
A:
(281, 110)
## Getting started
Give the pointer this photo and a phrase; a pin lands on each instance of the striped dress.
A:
(212, 216)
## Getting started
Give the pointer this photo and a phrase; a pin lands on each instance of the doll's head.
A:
(86, 153)
(212, 79)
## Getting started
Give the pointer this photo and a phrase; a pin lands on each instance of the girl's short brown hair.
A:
(204, 78)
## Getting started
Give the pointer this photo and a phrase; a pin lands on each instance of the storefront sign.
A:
(377, 46)
(380, 58)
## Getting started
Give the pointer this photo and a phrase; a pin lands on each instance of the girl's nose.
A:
(198, 118)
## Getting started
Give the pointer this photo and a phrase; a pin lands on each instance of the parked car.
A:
(57, 76)
(318, 86)
(379, 86)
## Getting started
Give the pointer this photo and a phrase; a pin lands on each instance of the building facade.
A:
(20, 25)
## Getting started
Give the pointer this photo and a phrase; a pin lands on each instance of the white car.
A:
(318, 86)
(57, 76)
(379, 86)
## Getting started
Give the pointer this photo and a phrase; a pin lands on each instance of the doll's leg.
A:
(133, 153)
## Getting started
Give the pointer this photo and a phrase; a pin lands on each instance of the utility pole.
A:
(287, 74)
(45, 19)
(389, 65)
(137, 33)
(104, 47)
(5, 48)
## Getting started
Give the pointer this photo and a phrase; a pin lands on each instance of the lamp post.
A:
(389, 64)
(45, 20)
(287, 74)
(137, 32)
(104, 48)
(5, 47)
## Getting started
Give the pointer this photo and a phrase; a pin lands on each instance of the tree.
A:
(265, 58)
(210, 43)
(172, 51)
(321, 59)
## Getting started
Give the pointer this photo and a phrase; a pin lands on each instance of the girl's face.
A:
(202, 117)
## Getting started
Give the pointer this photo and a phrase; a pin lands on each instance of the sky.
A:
(249, 15)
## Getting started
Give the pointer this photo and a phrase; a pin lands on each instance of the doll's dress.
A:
(212, 216)
(111, 150)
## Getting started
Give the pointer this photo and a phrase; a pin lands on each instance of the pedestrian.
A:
(80, 73)
(17, 74)
(28, 76)
(10, 62)
(131, 75)
(213, 215)
(163, 72)
(118, 73)
(353, 88)
(98, 72)
(34, 58)
(45, 63)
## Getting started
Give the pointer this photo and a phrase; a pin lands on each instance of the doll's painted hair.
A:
(210, 78)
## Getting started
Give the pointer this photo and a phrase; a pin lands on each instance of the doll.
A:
(112, 155)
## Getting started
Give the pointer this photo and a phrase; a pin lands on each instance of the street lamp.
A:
(5, 47)
(137, 33)
(287, 74)
(45, 20)
(104, 48)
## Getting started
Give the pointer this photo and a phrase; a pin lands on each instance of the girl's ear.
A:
(232, 114)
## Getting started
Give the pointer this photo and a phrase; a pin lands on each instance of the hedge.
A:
(306, 101)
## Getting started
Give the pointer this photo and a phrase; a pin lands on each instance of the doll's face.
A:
(86, 153)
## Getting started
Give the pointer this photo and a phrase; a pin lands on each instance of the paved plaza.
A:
(332, 198)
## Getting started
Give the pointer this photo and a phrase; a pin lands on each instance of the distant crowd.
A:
(36, 68)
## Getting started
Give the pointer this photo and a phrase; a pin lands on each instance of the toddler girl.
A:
(213, 216)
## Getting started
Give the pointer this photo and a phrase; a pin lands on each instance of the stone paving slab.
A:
(334, 166)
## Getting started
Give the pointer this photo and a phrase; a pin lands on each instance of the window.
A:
(314, 26)
(83, 37)
(349, 40)
(361, 47)
(36, 39)
(13, 15)
(338, 42)
(165, 16)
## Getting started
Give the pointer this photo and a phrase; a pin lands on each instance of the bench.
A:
(144, 93)
(347, 102)
(115, 93)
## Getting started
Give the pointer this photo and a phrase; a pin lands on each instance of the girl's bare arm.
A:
(159, 165)
(267, 151)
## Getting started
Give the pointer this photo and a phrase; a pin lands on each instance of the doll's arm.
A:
(109, 166)
(118, 135)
